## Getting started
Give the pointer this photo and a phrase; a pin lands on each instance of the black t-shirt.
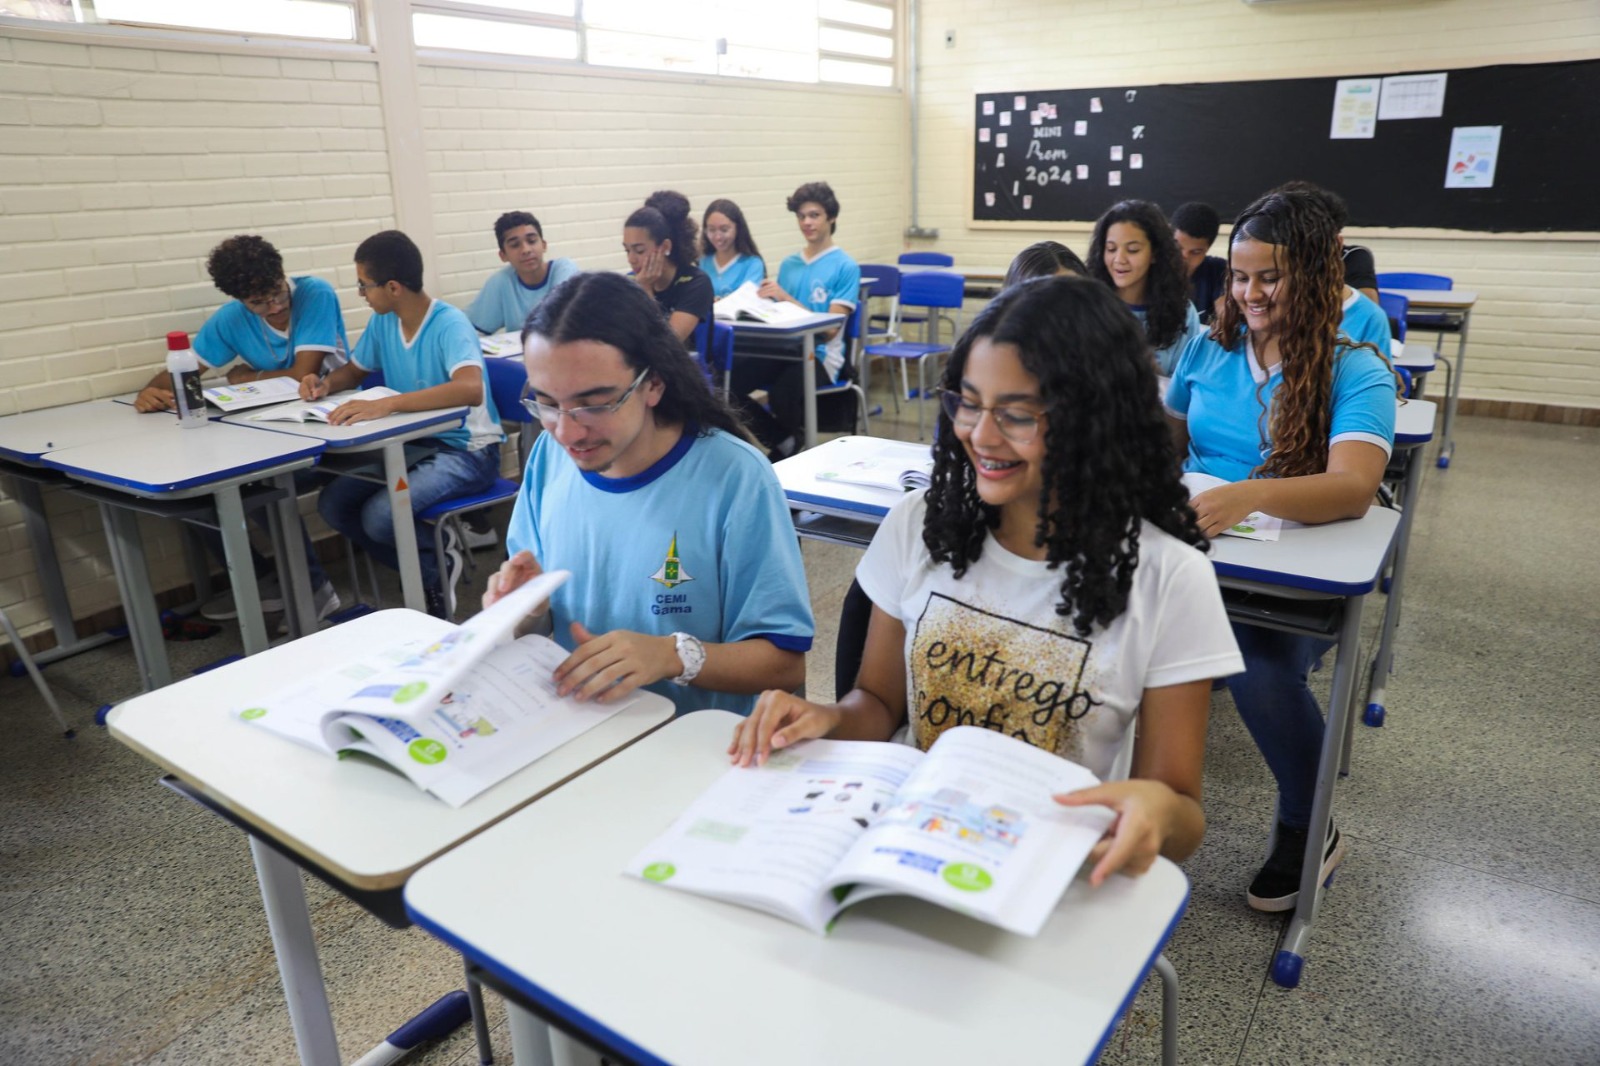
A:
(1360, 269)
(1209, 281)
(690, 292)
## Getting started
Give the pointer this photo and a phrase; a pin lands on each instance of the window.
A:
(331, 20)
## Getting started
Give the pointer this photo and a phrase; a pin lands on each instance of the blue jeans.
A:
(1281, 713)
(360, 509)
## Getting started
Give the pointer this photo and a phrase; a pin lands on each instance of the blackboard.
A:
(1225, 143)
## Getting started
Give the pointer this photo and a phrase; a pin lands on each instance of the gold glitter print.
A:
(970, 666)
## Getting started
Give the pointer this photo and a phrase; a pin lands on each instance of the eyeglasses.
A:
(264, 304)
(362, 286)
(550, 414)
(1019, 425)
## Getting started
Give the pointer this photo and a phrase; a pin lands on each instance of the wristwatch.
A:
(692, 654)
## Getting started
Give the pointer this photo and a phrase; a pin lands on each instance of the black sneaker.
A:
(435, 600)
(1277, 886)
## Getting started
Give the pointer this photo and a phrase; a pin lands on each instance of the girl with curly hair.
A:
(1133, 250)
(1050, 583)
(1299, 421)
(659, 240)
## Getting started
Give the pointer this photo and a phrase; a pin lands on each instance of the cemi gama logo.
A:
(672, 572)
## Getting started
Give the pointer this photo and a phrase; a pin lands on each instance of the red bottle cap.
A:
(177, 341)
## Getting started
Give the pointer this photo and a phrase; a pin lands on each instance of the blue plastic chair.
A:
(715, 355)
(846, 381)
(932, 259)
(1437, 324)
(1396, 307)
(885, 286)
(937, 292)
(508, 380)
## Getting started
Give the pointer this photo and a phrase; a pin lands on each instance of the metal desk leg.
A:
(138, 599)
(1169, 1011)
(1291, 956)
(241, 569)
(284, 898)
(405, 529)
(808, 381)
(296, 583)
(48, 569)
(1383, 662)
(1447, 442)
(530, 1037)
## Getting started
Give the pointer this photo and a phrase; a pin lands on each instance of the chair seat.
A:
(503, 489)
(907, 350)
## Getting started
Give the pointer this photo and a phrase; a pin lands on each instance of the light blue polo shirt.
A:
(315, 322)
(1365, 321)
(831, 278)
(445, 341)
(744, 268)
(1225, 399)
(1167, 358)
(505, 302)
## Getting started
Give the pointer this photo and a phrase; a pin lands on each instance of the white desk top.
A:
(811, 323)
(358, 435)
(1333, 559)
(1453, 299)
(28, 436)
(1413, 422)
(162, 462)
(362, 821)
(1414, 356)
(541, 901)
(798, 476)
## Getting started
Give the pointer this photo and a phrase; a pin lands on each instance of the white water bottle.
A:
(184, 367)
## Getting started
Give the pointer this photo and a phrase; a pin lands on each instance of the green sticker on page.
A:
(427, 752)
(409, 691)
(252, 713)
(966, 876)
(659, 871)
(1242, 528)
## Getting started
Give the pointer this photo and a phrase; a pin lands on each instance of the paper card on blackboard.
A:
(1080, 127)
(1048, 111)
(1000, 140)
(1136, 161)
(1020, 104)
(1027, 203)
(1005, 118)
(1035, 118)
(1015, 186)
(1094, 105)
(988, 199)
(983, 135)
(1116, 153)
(1083, 171)
(1000, 161)
(988, 107)
(1114, 177)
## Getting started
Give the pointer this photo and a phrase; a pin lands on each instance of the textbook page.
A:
(744, 303)
(1254, 526)
(318, 410)
(769, 836)
(252, 393)
(892, 465)
(975, 829)
(501, 345)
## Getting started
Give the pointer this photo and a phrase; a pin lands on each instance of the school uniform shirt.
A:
(1215, 392)
(1209, 281)
(743, 268)
(988, 649)
(831, 278)
(505, 302)
(700, 542)
(445, 341)
(689, 292)
(1365, 321)
(315, 322)
(1167, 358)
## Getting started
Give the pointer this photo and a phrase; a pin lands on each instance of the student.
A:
(820, 277)
(1278, 402)
(428, 352)
(1043, 259)
(1363, 320)
(1050, 545)
(275, 326)
(1133, 251)
(511, 294)
(1195, 226)
(686, 577)
(659, 241)
(728, 252)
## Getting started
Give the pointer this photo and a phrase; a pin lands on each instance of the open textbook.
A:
(253, 393)
(888, 464)
(744, 303)
(318, 410)
(969, 825)
(457, 710)
(501, 345)
(1254, 526)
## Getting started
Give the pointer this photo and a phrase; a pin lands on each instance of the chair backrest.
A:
(508, 380)
(1395, 307)
(1435, 282)
(932, 289)
(933, 259)
(721, 352)
(885, 279)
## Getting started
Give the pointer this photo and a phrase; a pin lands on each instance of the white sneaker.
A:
(221, 608)
(475, 540)
(326, 601)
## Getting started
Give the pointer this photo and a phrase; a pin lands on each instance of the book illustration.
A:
(827, 797)
(991, 828)
(501, 345)
(252, 393)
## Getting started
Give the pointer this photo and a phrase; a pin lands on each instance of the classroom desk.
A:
(168, 464)
(982, 282)
(1455, 304)
(339, 818)
(1313, 580)
(387, 436)
(802, 333)
(540, 904)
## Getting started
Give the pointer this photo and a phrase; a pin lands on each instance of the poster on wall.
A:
(1355, 109)
(1473, 152)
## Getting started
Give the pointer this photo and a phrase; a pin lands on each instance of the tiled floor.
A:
(1464, 928)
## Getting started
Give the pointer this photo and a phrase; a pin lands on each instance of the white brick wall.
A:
(122, 166)
(1534, 335)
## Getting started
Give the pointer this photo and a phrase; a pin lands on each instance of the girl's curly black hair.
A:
(1109, 461)
(1166, 293)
